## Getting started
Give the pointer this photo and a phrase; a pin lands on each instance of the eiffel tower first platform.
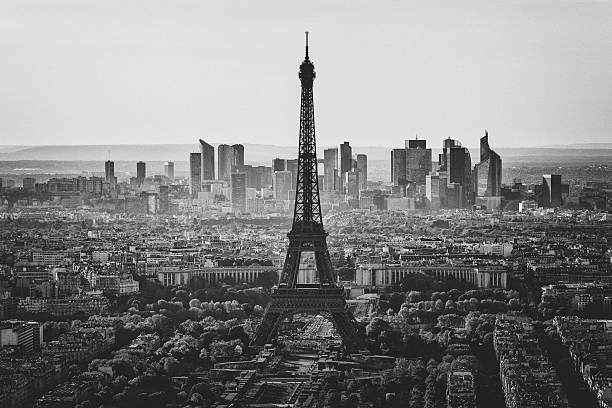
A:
(320, 294)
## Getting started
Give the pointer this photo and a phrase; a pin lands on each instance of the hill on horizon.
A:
(262, 153)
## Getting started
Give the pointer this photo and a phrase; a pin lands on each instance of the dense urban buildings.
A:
(285, 285)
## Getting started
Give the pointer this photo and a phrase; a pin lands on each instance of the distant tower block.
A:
(308, 282)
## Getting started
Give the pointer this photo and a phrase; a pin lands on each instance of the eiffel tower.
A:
(308, 282)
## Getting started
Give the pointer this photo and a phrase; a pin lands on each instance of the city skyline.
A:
(157, 76)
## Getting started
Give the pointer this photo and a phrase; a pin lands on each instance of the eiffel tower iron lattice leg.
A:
(318, 294)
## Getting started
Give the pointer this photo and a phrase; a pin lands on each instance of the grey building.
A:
(195, 173)
(207, 157)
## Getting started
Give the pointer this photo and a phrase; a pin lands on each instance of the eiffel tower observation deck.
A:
(308, 282)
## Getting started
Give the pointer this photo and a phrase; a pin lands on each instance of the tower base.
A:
(285, 302)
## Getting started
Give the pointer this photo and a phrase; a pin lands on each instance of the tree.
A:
(376, 326)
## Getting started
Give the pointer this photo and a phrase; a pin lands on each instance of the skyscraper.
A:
(432, 191)
(141, 171)
(362, 169)
(195, 173)
(418, 161)
(229, 156)
(169, 170)
(278, 165)
(224, 154)
(488, 172)
(109, 171)
(551, 190)
(292, 166)
(398, 167)
(460, 172)
(207, 156)
(238, 155)
(330, 169)
(282, 184)
(238, 186)
(447, 144)
(346, 157)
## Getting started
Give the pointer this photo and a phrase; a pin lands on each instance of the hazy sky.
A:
(532, 72)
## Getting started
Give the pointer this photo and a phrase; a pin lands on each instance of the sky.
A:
(531, 72)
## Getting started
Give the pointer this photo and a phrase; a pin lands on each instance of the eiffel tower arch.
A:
(308, 281)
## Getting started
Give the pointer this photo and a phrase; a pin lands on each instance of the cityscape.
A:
(430, 274)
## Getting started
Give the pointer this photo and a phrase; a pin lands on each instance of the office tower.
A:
(488, 172)
(109, 171)
(238, 155)
(141, 171)
(229, 156)
(282, 184)
(398, 167)
(278, 165)
(164, 203)
(292, 166)
(238, 186)
(207, 156)
(266, 176)
(169, 170)
(352, 184)
(346, 157)
(195, 174)
(435, 191)
(447, 144)
(362, 168)
(418, 161)
(28, 183)
(224, 155)
(330, 170)
(460, 172)
(551, 190)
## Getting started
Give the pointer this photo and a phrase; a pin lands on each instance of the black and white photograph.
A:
(313, 204)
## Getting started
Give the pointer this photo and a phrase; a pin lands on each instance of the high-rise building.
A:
(238, 155)
(330, 169)
(460, 172)
(195, 173)
(346, 157)
(292, 166)
(447, 144)
(551, 190)
(238, 186)
(282, 184)
(278, 165)
(207, 156)
(109, 171)
(398, 167)
(169, 170)
(418, 161)
(362, 168)
(352, 184)
(224, 155)
(164, 203)
(488, 172)
(141, 171)
(229, 156)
